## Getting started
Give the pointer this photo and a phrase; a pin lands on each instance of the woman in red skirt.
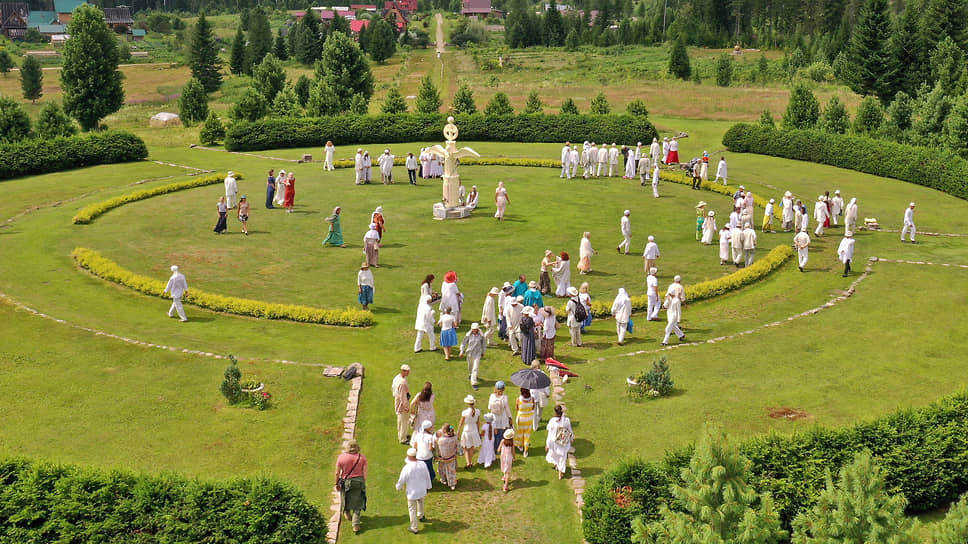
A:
(290, 192)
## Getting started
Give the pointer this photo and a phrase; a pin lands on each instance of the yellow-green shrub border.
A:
(107, 269)
(712, 288)
(93, 211)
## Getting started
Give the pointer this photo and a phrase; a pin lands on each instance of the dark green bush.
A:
(43, 502)
(37, 156)
(932, 167)
(373, 129)
(924, 454)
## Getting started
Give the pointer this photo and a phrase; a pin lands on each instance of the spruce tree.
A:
(724, 70)
(6, 63)
(269, 76)
(53, 122)
(428, 97)
(339, 24)
(302, 89)
(869, 116)
(31, 79)
(835, 117)
(553, 27)
(900, 111)
(308, 45)
(906, 46)
(344, 69)
(237, 60)
(940, 18)
(763, 69)
(464, 100)
(947, 64)
(279, 48)
(714, 503)
(637, 108)
(213, 131)
(803, 110)
(600, 105)
(857, 509)
(568, 107)
(90, 77)
(251, 106)
(766, 119)
(359, 104)
(286, 104)
(383, 41)
(14, 121)
(933, 108)
(393, 102)
(533, 105)
(869, 52)
(499, 105)
(193, 103)
(322, 101)
(954, 528)
(572, 41)
(260, 38)
(679, 61)
(203, 56)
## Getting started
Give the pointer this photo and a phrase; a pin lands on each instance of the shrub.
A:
(14, 121)
(231, 387)
(679, 61)
(600, 105)
(499, 106)
(53, 122)
(637, 107)
(313, 132)
(44, 502)
(428, 97)
(656, 382)
(36, 156)
(534, 105)
(870, 115)
(393, 102)
(931, 167)
(568, 107)
(193, 103)
(724, 70)
(634, 488)
(108, 270)
(251, 106)
(213, 131)
(803, 110)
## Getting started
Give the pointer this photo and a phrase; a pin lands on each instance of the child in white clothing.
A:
(486, 457)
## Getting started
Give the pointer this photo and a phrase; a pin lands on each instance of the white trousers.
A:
(626, 243)
(653, 310)
(564, 171)
(602, 167)
(403, 426)
(230, 200)
(328, 165)
(575, 334)
(420, 335)
(833, 219)
(487, 334)
(802, 255)
(819, 230)
(737, 255)
(473, 366)
(908, 227)
(749, 254)
(416, 510)
(587, 170)
(573, 169)
(514, 339)
(176, 306)
(611, 169)
(655, 188)
(672, 328)
(621, 329)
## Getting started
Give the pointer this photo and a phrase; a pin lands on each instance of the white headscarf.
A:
(621, 297)
(371, 234)
(852, 202)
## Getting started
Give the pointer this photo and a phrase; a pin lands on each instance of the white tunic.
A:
(820, 211)
(416, 478)
(585, 249)
(386, 164)
(176, 285)
(651, 251)
(787, 209)
(721, 169)
(846, 250)
(626, 226)
(557, 453)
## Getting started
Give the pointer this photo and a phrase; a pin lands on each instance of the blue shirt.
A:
(520, 287)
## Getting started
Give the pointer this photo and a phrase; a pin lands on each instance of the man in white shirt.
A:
(665, 150)
(587, 160)
(386, 167)
(177, 286)
(512, 316)
(802, 242)
(231, 189)
(652, 290)
(721, 171)
(736, 244)
(651, 253)
(626, 226)
(846, 251)
(500, 408)
(416, 479)
(612, 160)
(602, 161)
(655, 151)
(820, 214)
(836, 207)
(655, 182)
(768, 216)
(358, 165)
(787, 205)
(673, 304)
(749, 243)
(424, 440)
(565, 154)
(573, 159)
(401, 403)
(909, 223)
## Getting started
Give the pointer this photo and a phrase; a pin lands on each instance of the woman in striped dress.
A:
(524, 422)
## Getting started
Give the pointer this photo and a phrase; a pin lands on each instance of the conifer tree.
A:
(803, 110)
(499, 105)
(869, 117)
(533, 105)
(32, 79)
(679, 61)
(344, 69)
(359, 104)
(464, 100)
(286, 103)
(906, 46)
(933, 108)
(900, 111)
(954, 528)
(308, 46)
(252, 106)
(553, 27)
(6, 63)
(279, 48)
(835, 117)
(302, 89)
(237, 60)
(568, 107)
(90, 77)
(572, 41)
(260, 38)
(14, 121)
(213, 131)
(428, 97)
(954, 135)
(724, 70)
(382, 41)
(322, 101)
(53, 122)
(637, 107)
(193, 103)
(393, 102)
(203, 56)
(869, 53)
(269, 76)
(600, 104)
(947, 64)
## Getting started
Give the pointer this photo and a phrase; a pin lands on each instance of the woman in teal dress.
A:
(335, 235)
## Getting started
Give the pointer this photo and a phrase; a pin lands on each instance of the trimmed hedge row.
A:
(41, 156)
(931, 167)
(93, 211)
(924, 454)
(414, 127)
(103, 268)
(712, 288)
(43, 502)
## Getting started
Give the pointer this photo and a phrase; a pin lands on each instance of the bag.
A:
(580, 313)
(564, 436)
(412, 420)
(340, 481)
(628, 327)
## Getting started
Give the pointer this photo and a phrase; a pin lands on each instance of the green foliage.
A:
(6, 63)
(803, 110)
(796, 60)
(568, 107)
(870, 55)
(382, 40)
(279, 48)
(858, 509)
(193, 103)
(313, 132)
(393, 102)
(307, 45)
(466, 31)
(33, 35)
(238, 64)
(499, 105)
(954, 528)
(302, 89)
(932, 110)
(286, 104)
(655, 382)
(679, 61)
(835, 117)
(31, 79)
(947, 64)
(631, 490)
(762, 69)
(213, 131)
(322, 101)
(766, 119)
(14, 121)
(724, 70)
(533, 104)
(600, 105)
(251, 106)
(572, 41)
(230, 388)
(552, 27)
(955, 133)
(90, 77)
(869, 117)
(40, 156)
(637, 107)
(715, 502)
(203, 56)
(428, 97)
(64, 503)
(359, 105)
(269, 76)
(53, 122)
(259, 39)
(463, 100)
(344, 69)
(900, 111)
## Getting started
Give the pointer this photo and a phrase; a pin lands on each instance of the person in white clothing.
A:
(655, 151)
(749, 244)
(836, 207)
(802, 242)
(416, 478)
(473, 345)
(565, 154)
(500, 408)
(412, 167)
(573, 159)
(231, 189)
(665, 150)
(586, 160)
(846, 251)
(909, 223)
(651, 253)
(724, 234)
(358, 166)
(709, 228)
(644, 165)
(622, 311)
(613, 153)
(736, 244)
(673, 305)
(630, 164)
(558, 443)
(850, 215)
(652, 292)
(329, 150)
(626, 227)
(489, 314)
(574, 326)
(424, 324)
(602, 161)
(177, 286)
(820, 214)
(721, 171)
(655, 182)
(473, 198)
(386, 167)
(786, 203)
(512, 316)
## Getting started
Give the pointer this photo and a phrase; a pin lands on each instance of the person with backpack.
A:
(576, 316)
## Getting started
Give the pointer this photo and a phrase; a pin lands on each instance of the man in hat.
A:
(909, 223)
(786, 203)
(721, 171)
(586, 160)
(401, 403)
(652, 292)
(416, 478)
(655, 151)
(802, 242)
(548, 261)
(665, 150)
(749, 244)
(612, 160)
(626, 227)
(386, 167)
(696, 175)
(489, 314)
(574, 325)
(358, 165)
(512, 316)
(565, 161)
(820, 213)
(177, 286)
(473, 345)
(231, 189)
(351, 469)
(846, 251)
(738, 195)
(736, 243)
(836, 206)
(651, 253)
(673, 305)
(532, 297)
(644, 166)
(573, 160)
(425, 440)
(499, 406)
(768, 216)
(602, 161)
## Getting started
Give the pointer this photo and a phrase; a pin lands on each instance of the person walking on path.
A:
(351, 472)
(724, 234)
(673, 305)
(469, 430)
(652, 293)
(708, 228)
(489, 315)
(334, 237)
(280, 197)
(501, 200)
(386, 167)
(416, 478)
(802, 242)
(512, 316)
(622, 311)
(528, 347)
(244, 214)
(561, 273)
(329, 151)
(447, 446)
(486, 456)
(223, 210)
(425, 440)
(626, 227)
(787, 210)
(549, 331)
(177, 286)
(558, 443)
(507, 457)
(371, 246)
(574, 324)
(422, 406)
(846, 251)
(401, 403)
(836, 206)
(270, 189)
(768, 216)
(850, 216)
(448, 331)
(585, 252)
(412, 166)
(820, 214)
(749, 244)
(909, 226)
(644, 168)
(473, 346)
(524, 421)
(364, 284)
(231, 189)
(500, 408)
(424, 324)
(721, 171)
(736, 244)
(651, 253)
(290, 200)
(655, 182)
(565, 158)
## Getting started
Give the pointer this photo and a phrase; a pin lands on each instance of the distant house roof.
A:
(139, 32)
(66, 6)
(476, 7)
(367, 7)
(348, 14)
(13, 16)
(327, 14)
(118, 16)
(52, 29)
(37, 18)
(356, 26)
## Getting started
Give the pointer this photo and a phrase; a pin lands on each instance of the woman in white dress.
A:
(469, 430)
(280, 197)
(709, 228)
(585, 252)
(558, 443)
(473, 197)
(501, 200)
(450, 296)
(367, 167)
(330, 149)
(561, 273)
(486, 456)
(424, 163)
(724, 244)
(622, 311)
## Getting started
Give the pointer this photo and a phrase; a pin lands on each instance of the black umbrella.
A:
(530, 378)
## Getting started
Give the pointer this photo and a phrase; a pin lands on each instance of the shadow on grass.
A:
(198, 319)
(384, 310)
(431, 525)
(472, 484)
(583, 447)
(392, 246)
(523, 484)
(382, 522)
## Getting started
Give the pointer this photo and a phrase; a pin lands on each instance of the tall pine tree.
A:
(869, 53)
(803, 110)
(90, 78)
(428, 97)
(203, 56)
(307, 46)
(679, 61)
(383, 41)
(907, 47)
(553, 28)
(344, 69)
(464, 100)
(260, 37)
(237, 60)
(32, 79)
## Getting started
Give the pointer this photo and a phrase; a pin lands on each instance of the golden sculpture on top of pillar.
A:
(450, 206)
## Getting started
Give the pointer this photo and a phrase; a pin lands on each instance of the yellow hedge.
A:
(712, 288)
(109, 270)
(92, 212)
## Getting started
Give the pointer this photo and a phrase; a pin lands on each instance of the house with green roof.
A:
(65, 9)
(37, 18)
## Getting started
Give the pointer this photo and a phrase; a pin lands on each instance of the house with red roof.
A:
(479, 8)
(358, 25)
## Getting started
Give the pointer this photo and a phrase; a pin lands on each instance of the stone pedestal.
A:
(457, 212)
